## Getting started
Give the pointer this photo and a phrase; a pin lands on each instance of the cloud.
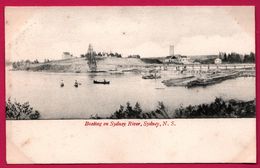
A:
(148, 31)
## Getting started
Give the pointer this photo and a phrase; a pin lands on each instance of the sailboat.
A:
(92, 63)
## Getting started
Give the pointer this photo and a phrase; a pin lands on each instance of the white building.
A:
(183, 59)
(218, 61)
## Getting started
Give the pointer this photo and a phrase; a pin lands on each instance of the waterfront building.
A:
(183, 59)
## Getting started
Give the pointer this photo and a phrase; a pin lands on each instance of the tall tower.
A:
(91, 59)
(171, 50)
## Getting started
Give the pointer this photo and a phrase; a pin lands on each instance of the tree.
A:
(99, 54)
(161, 109)
(120, 113)
(129, 110)
(137, 110)
(249, 58)
(234, 58)
(225, 57)
(36, 61)
(14, 65)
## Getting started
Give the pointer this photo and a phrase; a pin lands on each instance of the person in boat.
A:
(61, 83)
(104, 80)
(76, 83)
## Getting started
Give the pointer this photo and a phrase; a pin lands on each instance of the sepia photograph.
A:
(151, 65)
(130, 63)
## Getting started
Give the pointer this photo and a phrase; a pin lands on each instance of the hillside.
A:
(80, 65)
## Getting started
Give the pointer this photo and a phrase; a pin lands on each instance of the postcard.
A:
(130, 84)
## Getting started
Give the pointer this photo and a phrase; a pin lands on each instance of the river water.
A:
(44, 93)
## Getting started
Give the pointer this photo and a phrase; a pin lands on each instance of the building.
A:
(170, 59)
(218, 61)
(177, 59)
(134, 56)
(66, 55)
(183, 59)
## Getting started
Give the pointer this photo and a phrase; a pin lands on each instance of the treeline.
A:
(136, 112)
(217, 109)
(237, 58)
(26, 63)
(20, 111)
(103, 54)
(23, 63)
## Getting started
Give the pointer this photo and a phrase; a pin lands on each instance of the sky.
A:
(47, 32)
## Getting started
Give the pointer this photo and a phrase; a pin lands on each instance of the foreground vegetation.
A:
(20, 111)
(220, 108)
(217, 109)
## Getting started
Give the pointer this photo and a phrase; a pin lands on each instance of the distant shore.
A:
(107, 64)
(79, 65)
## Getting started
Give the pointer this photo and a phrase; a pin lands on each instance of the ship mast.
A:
(91, 59)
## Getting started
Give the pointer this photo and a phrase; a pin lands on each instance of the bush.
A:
(137, 113)
(18, 111)
(218, 109)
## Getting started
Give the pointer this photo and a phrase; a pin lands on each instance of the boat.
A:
(179, 81)
(117, 73)
(101, 82)
(61, 83)
(76, 84)
(212, 79)
(131, 70)
(151, 76)
(97, 71)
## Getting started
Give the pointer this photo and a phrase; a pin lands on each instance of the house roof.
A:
(171, 57)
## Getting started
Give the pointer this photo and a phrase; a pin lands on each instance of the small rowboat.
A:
(101, 82)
